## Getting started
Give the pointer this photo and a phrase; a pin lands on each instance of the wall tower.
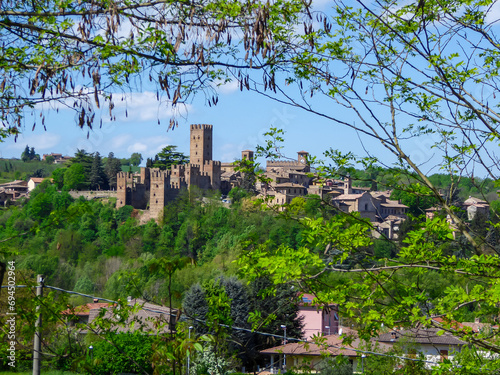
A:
(247, 154)
(201, 144)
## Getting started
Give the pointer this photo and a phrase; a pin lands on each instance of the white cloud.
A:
(493, 15)
(137, 147)
(120, 140)
(230, 152)
(226, 87)
(149, 146)
(41, 142)
(145, 106)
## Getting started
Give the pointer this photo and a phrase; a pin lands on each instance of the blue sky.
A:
(240, 119)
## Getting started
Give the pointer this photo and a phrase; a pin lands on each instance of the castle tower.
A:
(247, 154)
(347, 184)
(302, 157)
(201, 144)
(124, 184)
(158, 181)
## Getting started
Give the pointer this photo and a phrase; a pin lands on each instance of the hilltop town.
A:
(151, 189)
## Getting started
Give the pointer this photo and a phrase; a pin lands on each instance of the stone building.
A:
(153, 188)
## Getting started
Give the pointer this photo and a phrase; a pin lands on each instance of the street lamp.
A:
(328, 328)
(363, 363)
(189, 352)
(284, 343)
(91, 348)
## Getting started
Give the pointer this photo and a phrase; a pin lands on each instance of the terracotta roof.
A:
(472, 200)
(422, 336)
(37, 179)
(433, 209)
(393, 217)
(290, 184)
(15, 182)
(394, 204)
(377, 194)
(481, 205)
(84, 310)
(348, 197)
(148, 316)
(333, 346)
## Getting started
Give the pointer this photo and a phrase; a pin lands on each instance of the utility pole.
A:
(284, 343)
(38, 325)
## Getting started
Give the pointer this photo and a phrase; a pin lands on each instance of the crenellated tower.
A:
(124, 184)
(201, 144)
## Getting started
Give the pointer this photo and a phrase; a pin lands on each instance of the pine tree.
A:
(25, 156)
(97, 178)
(113, 166)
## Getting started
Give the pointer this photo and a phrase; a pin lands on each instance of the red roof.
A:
(84, 310)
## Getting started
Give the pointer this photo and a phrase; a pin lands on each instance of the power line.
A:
(241, 328)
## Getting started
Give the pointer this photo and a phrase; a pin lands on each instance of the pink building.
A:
(319, 319)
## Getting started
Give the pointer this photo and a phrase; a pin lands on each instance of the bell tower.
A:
(201, 144)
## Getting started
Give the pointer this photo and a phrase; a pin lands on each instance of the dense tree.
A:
(25, 155)
(75, 177)
(97, 178)
(274, 310)
(168, 157)
(412, 73)
(416, 198)
(28, 154)
(135, 159)
(112, 167)
(58, 177)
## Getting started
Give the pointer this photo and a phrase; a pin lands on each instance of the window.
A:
(366, 206)
(444, 354)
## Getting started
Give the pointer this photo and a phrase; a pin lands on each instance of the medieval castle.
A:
(153, 188)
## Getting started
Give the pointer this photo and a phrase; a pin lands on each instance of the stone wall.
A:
(93, 194)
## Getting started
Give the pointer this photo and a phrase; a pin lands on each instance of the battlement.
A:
(177, 184)
(124, 175)
(201, 126)
(178, 166)
(212, 162)
(157, 174)
(283, 163)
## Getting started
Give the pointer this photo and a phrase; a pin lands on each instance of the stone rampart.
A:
(93, 194)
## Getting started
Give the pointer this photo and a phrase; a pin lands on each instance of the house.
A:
(12, 191)
(80, 314)
(434, 347)
(147, 316)
(58, 158)
(318, 319)
(34, 182)
(476, 206)
(311, 354)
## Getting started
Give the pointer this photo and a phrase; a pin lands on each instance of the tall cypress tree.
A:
(113, 166)
(97, 178)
